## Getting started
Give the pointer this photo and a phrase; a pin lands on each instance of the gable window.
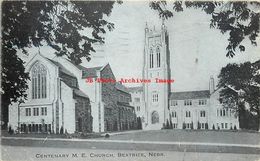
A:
(27, 112)
(39, 89)
(187, 102)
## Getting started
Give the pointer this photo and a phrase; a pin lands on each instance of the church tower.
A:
(156, 65)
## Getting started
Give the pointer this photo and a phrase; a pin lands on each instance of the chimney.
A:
(211, 85)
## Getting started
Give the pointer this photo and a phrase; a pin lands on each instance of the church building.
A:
(61, 99)
(157, 105)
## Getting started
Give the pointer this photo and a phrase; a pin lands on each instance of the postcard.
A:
(130, 80)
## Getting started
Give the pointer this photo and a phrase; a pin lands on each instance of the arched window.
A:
(39, 87)
(151, 58)
(155, 117)
(158, 56)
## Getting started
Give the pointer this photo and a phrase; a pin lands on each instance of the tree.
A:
(198, 126)
(240, 19)
(167, 124)
(62, 25)
(171, 127)
(240, 85)
(206, 126)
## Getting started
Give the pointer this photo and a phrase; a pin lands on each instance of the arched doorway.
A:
(155, 117)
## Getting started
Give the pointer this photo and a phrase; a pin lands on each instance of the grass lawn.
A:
(232, 137)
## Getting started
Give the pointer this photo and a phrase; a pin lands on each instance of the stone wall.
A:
(83, 116)
(109, 98)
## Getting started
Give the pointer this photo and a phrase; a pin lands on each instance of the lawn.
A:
(231, 137)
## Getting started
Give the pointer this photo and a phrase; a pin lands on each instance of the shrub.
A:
(206, 126)
(107, 136)
(235, 128)
(213, 127)
(61, 130)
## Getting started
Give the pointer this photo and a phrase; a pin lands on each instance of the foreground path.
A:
(13, 153)
(132, 145)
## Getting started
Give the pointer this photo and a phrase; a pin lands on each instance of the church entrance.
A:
(155, 117)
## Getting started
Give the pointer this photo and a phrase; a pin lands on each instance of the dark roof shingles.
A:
(189, 95)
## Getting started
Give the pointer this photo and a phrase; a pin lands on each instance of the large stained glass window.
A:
(39, 82)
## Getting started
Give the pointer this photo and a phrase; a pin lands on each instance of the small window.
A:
(187, 102)
(27, 112)
(155, 97)
(202, 102)
(174, 114)
(44, 111)
(188, 114)
(137, 99)
(202, 113)
(35, 111)
(174, 103)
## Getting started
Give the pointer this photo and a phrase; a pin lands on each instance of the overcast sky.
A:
(190, 39)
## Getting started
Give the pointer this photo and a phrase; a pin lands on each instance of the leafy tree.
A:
(241, 19)
(62, 25)
(240, 85)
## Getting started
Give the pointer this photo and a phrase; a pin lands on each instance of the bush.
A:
(218, 128)
(167, 124)
(235, 128)
(61, 130)
(183, 126)
(213, 127)
(107, 136)
(206, 126)
(10, 130)
(191, 126)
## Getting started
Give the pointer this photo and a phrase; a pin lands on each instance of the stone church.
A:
(157, 105)
(61, 100)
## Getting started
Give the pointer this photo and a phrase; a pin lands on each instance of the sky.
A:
(197, 52)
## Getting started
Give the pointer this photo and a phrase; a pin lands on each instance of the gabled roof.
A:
(135, 89)
(78, 92)
(121, 87)
(61, 68)
(89, 72)
(189, 95)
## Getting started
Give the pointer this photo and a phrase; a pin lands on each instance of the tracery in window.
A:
(39, 82)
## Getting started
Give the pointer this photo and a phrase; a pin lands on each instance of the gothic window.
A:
(158, 55)
(155, 117)
(39, 85)
(151, 58)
